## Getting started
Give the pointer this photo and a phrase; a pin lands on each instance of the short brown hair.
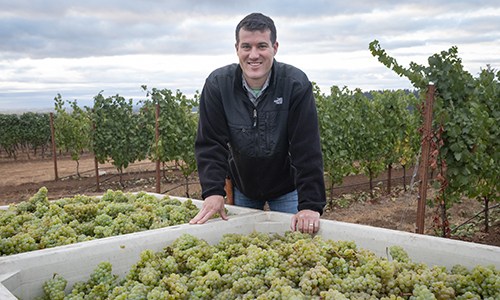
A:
(256, 21)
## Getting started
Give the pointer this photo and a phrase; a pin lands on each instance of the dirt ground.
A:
(397, 210)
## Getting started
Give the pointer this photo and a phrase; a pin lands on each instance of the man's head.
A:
(256, 47)
(256, 21)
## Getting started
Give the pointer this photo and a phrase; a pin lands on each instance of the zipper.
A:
(256, 132)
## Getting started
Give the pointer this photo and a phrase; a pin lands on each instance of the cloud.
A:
(81, 47)
(107, 29)
(95, 28)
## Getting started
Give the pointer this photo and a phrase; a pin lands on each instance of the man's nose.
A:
(254, 53)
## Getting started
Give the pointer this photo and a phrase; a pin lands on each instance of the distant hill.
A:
(20, 111)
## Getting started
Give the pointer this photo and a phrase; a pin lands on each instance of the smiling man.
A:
(256, 52)
(259, 127)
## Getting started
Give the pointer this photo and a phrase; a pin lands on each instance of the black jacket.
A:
(268, 149)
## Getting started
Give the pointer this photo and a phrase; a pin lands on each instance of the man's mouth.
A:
(254, 64)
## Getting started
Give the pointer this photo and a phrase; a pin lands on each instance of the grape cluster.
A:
(39, 223)
(290, 266)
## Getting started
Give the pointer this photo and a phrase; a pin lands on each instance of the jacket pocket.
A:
(241, 139)
(269, 134)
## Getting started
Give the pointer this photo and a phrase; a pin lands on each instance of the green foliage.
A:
(9, 135)
(31, 130)
(120, 135)
(486, 154)
(466, 119)
(72, 130)
(177, 126)
(398, 125)
(375, 132)
(35, 129)
(337, 138)
(370, 138)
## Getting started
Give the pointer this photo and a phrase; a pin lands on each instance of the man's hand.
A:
(306, 221)
(212, 205)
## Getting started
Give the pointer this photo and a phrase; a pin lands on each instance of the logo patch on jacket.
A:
(278, 100)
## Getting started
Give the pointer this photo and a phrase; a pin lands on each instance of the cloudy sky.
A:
(79, 48)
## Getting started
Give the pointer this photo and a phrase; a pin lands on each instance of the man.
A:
(259, 126)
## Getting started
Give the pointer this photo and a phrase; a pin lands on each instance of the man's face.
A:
(256, 53)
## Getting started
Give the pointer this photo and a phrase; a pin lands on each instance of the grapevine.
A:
(72, 130)
(120, 135)
(177, 128)
(369, 131)
(337, 138)
(466, 118)
(289, 266)
(29, 130)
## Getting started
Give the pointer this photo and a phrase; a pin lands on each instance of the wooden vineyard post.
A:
(424, 163)
(158, 178)
(389, 177)
(96, 163)
(53, 144)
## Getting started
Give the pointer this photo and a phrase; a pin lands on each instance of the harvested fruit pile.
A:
(264, 266)
(39, 223)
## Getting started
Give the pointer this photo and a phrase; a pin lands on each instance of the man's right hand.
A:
(212, 205)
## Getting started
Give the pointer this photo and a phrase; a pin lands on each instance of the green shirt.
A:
(256, 91)
(253, 94)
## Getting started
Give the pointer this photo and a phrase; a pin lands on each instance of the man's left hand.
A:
(306, 221)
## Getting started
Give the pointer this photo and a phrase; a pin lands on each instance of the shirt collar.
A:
(250, 92)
